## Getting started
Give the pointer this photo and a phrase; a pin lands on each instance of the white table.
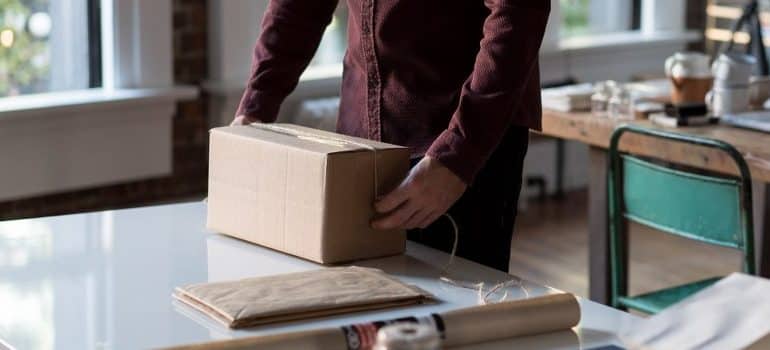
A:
(104, 280)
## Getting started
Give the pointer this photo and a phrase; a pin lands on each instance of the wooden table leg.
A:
(761, 198)
(598, 231)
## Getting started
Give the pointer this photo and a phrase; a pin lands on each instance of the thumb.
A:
(243, 120)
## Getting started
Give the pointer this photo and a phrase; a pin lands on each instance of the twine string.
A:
(483, 296)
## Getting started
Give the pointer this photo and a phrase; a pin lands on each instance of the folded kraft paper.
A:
(302, 191)
(473, 325)
(298, 296)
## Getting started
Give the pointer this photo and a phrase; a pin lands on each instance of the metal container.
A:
(408, 336)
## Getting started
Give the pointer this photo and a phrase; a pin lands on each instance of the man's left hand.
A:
(428, 192)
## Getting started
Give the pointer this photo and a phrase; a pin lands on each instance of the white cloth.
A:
(734, 313)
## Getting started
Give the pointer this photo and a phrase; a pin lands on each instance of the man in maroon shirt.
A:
(457, 81)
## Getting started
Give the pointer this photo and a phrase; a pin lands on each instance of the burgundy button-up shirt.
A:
(443, 77)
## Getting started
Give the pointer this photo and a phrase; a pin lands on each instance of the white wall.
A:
(47, 153)
(233, 29)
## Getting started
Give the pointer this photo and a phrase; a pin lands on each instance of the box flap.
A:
(309, 139)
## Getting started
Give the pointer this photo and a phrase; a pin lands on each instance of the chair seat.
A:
(656, 301)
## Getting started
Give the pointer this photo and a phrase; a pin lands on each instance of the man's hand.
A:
(242, 120)
(428, 192)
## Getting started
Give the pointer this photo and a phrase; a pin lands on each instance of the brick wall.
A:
(190, 125)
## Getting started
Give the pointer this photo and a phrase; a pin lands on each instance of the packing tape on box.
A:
(473, 325)
(327, 140)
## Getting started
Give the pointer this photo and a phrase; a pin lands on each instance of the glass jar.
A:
(601, 97)
(620, 105)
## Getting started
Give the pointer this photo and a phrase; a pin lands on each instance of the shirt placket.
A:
(373, 86)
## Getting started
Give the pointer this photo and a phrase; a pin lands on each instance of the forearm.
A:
(291, 32)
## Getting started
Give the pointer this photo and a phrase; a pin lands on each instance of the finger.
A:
(393, 200)
(429, 219)
(396, 218)
(418, 217)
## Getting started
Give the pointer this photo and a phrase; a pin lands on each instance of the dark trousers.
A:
(486, 212)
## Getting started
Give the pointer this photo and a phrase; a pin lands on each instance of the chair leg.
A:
(762, 227)
(598, 229)
(560, 146)
(540, 183)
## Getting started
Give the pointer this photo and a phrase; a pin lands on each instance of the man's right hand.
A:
(243, 120)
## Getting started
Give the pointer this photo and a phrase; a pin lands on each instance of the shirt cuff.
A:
(259, 106)
(454, 151)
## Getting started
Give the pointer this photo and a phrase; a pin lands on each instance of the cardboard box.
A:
(303, 191)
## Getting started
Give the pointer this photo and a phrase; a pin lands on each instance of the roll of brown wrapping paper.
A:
(510, 319)
(478, 324)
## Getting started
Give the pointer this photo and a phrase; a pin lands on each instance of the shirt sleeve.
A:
(291, 32)
(508, 55)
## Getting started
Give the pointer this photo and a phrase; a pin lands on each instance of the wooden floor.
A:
(550, 246)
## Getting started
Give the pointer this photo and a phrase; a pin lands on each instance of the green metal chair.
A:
(705, 208)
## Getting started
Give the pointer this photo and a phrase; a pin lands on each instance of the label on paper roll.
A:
(363, 336)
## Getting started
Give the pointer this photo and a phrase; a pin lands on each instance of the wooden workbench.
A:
(596, 131)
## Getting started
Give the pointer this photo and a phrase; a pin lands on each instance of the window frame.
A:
(650, 18)
(94, 43)
(604, 16)
(136, 44)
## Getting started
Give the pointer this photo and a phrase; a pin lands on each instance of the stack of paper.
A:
(568, 98)
(756, 120)
(672, 122)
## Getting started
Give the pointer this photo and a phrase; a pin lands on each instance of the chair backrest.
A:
(712, 209)
(699, 207)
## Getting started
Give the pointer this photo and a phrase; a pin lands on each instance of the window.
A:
(48, 45)
(335, 40)
(586, 17)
